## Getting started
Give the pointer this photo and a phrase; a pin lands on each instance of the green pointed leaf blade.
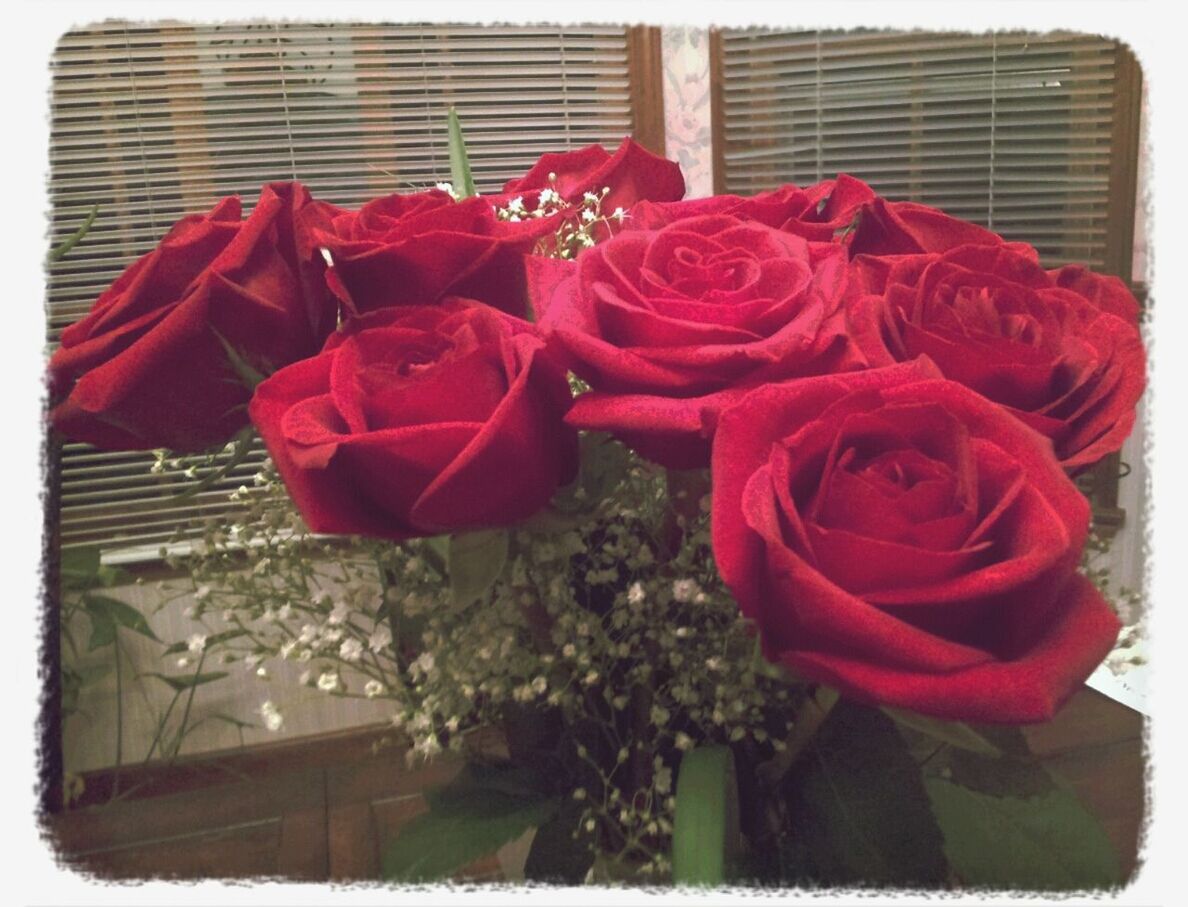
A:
(460, 173)
(459, 830)
(556, 855)
(954, 733)
(859, 813)
(476, 559)
(705, 836)
(119, 613)
(185, 681)
(1049, 842)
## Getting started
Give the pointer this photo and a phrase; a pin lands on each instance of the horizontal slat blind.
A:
(1009, 130)
(151, 123)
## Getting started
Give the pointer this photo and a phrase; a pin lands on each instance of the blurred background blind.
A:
(1031, 135)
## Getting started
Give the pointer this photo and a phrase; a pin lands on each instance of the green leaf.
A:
(604, 464)
(243, 370)
(185, 681)
(460, 174)
(858, 810)
(562, 850)
(71, 241)
(464, 822)
(475, 561)
(1014, 774)
(1040, 843)
(954, 733)
(705, 837)
(119, 613)
(79, 566)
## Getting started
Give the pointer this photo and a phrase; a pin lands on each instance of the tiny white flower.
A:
(373, 688)
(328, 681)
(196, 643)
(426, 662)
(516, 205)
(618, 214)
(683, 590)
(183, 662)
(683, 741)
(549, 196)
(539, 684)
(350, 650)
(308, 634)
(340, 613)
(286, 648)
(589, 216)
(273, 720)
(203, 592)
(380, 638)
(635, 595)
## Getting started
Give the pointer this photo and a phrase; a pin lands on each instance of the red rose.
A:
(667, 323)
(1060, 350)
(146, 367)
(420, 420)
(900, 228)
(819, 213)
(907, 541)
(631, 174)
(414, 249)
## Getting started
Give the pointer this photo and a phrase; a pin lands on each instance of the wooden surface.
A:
(321, 809)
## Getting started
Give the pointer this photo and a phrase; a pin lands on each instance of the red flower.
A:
(146, 368)
(631, 174)
(667, 323)
(820, 213)
(907, 541)
(420, 420)
(900, 228)
(1060, 350)
(414, 249)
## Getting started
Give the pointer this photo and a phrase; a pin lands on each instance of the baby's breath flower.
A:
(350, 650)
(273, 720)
(196, 643)
(328, 681)
(373, 688)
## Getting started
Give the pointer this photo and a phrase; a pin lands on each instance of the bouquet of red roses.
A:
(713, 505)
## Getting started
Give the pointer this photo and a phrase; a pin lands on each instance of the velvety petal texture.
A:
(820, 213)
(415, 249)
(147, 367)
(420, 420)
(667, 323)
(898, 536)
(1061, 350)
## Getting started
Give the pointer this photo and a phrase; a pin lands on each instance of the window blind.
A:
(1014, 131)
(151, 123)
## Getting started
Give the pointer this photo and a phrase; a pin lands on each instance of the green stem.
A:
(808, 721)
(119, 754)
